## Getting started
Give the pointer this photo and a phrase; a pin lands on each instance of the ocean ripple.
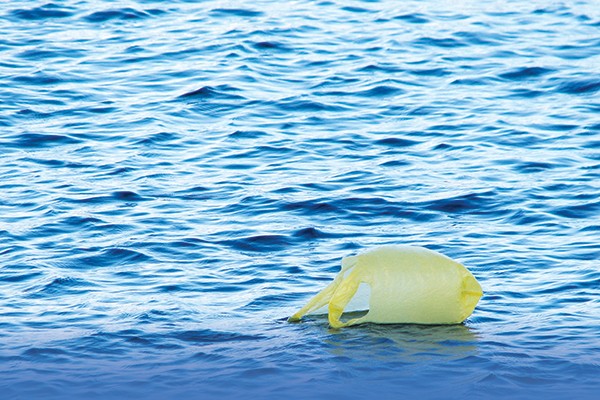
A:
(177, 179)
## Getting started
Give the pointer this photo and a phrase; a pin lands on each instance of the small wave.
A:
(382, 67)
(19, 277)
(430, 72)
(533, 166)
(48, 54)
(579, 86)
(209, 92)
(525, 73)
(439, 42)
(118, 14)
(269, 45)
(65, 286)
(40, 140)
(121, 195)
(476, 203)
(260, 243)
(579, 211)
(471, 81)
(46, 11)
(38, 78)
(111, 257)
(412, 18)
(211, 336)
(235, 12)
(312, 207)
(247, 134)
(46, 355)
(396, 142)
(311, 233)
(159, 139)
(526, 93)
(306, 105)
(381, 91)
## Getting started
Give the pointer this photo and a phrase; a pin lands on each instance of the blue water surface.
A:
(177, 178)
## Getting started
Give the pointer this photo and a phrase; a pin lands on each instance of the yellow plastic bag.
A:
(408, 284)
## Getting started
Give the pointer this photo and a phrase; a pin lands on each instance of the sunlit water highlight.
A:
(178, 177)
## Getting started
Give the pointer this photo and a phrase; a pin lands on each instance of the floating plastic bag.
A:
(407, 285)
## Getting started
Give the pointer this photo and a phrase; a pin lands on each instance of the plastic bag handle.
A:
(318, 301)
(342, 295)
(322, 298)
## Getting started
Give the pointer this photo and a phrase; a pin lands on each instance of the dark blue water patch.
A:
(48, 54)
(395, 163)
(160, 139)
(471, 203)
(56, 163)
(378, 91)
(206, 336)
(40, 140)
(221, 92)
(19, 277)
(47, 11)
(298, 105)
(116, 14)
(439, 42)
(472, 81)
(354, 9)
(368, 210)
(396, 142)
(526, 93)
(253, 203)
(581, 51)
(524, 73)
(312, 207)
(579, 86)
(121, 196)
(271, 45)
(30, 114)
(246, 134)
(557, 128)
(430, 72)
(423, 110)
(109, 257)
(579, 211)
(381, 91)
(235, 12)
(64, 286)
(195, 193)
(380, 67)
(533, 166)
(412, 18)
(527, 217)
(260, 243)
(38, 78)
(443, 147)
(311, 234)
(46, 355)
(173, 288)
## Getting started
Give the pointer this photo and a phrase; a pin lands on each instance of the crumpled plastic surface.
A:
(408, 284)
